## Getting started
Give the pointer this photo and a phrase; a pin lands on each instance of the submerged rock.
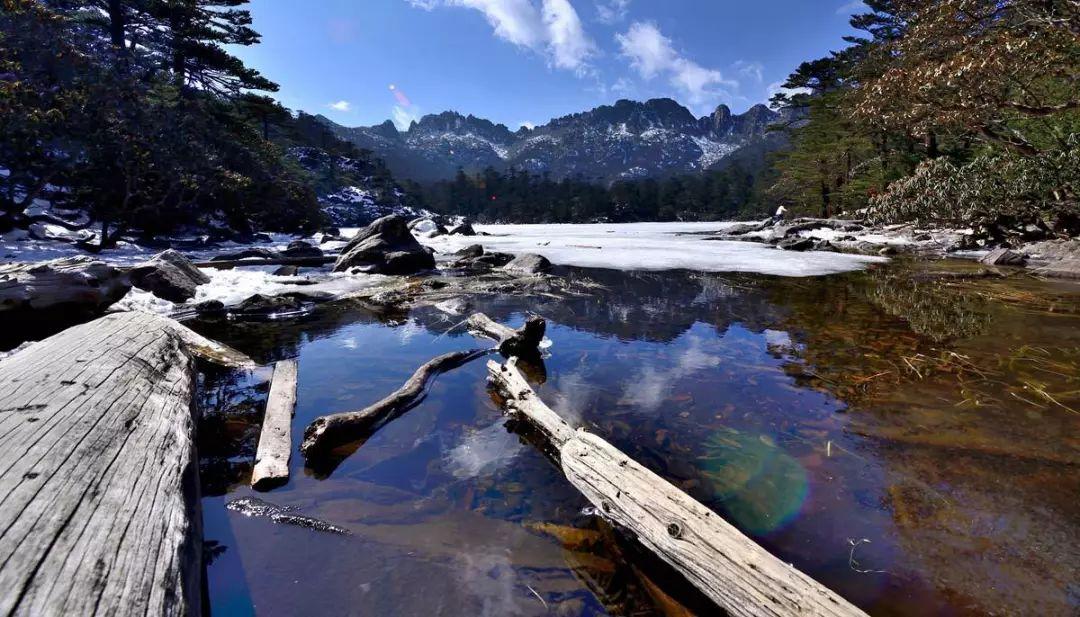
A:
(265, 307)
(170, 276)
(464, 229)
(385, 247)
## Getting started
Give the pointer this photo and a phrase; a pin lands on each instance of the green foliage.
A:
(146, 137)
(522, 197)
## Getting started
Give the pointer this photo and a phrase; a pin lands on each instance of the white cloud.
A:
(552, 28)
(750, 69)
(612, 11)
(342, 106)
(652, 54)
(569, 46)
(851, 7)
(404, 117)
(525, 124)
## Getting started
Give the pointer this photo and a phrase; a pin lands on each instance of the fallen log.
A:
(525, 341)
(328, 432)
(99, 504)
(739, 575)
(275, 438)
(268, 261)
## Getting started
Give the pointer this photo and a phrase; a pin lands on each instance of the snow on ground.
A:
(651, 246)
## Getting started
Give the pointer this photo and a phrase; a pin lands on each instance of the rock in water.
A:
(73, 283)
(301, 249)
(169, 276)
(252, 253)
(464, 229)
(470, 252)
(1004, 257)
(529, 263)
(796, 243)
(385, 247)
(287, 271)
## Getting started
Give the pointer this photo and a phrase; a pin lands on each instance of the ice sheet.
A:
(652, 246)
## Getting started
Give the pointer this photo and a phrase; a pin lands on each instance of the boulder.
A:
(464, 229)
(1004, 257)
(529, 263)
(301, 249)
(169, 276)
(287, 271)
(385, 247)
(210, 307)
(262, 236)
(427, 227)
(825, 245)
(470, 252)
(740, 229)
(80, 284)
(796, 243)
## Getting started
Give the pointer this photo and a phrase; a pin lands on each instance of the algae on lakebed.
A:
(908, 439)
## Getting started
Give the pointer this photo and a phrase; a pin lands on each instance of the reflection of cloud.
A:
(483, 452)
(651, 385)
(408, 330)
(349, 343)
(491, 578)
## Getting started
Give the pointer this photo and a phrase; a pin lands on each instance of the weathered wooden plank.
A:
(98, 473)
(735, 572)
(275, 438)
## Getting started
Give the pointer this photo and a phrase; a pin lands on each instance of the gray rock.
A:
(385, 247)
(1068, 268)
(464, 229)
(470, 252)
(210, 307)
(300, 249)
(169, 276)
(796, 243)
(287, 271)
(1004, 257)
(529, 263)
(743, 228)
(825, 245)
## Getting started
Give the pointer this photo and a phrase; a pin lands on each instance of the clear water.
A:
(912, 444)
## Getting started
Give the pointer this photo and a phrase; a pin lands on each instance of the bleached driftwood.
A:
(99, 504)
(79, 283)
(268, 261)
(739, 575)
(524, 341)
(275, 438)
(327, 432)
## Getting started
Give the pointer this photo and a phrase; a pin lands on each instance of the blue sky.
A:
(526, 61)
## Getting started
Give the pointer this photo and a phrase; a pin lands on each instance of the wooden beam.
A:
(275, 439)
(524, 341)
(735, 572)
(99, 503)
(268, 261)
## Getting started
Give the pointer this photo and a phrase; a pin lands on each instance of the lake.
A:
(912, 441)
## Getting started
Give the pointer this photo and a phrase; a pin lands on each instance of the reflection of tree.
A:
(230, 406)
(934, 309)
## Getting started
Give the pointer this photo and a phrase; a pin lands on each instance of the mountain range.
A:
(624, 141)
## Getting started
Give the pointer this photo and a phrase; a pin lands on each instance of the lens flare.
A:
(400, 96)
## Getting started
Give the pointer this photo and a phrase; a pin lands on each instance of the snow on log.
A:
(524, 341)
(99, 508)
(275, 439)
(327, 432)
(739, 575)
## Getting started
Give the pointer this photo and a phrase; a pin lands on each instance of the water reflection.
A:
(910, 441)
